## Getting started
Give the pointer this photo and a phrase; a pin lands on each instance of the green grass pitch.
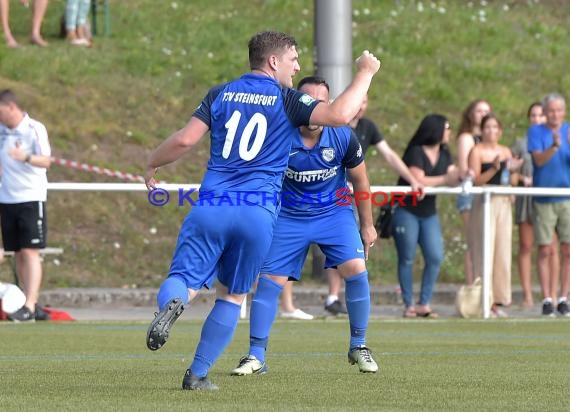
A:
(518, 365)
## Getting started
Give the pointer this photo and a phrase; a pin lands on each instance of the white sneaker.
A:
(297, 314)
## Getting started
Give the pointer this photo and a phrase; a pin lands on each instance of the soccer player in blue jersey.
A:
(311, 212)
(251, 122)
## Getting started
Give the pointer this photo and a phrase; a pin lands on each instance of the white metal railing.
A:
(486, 191)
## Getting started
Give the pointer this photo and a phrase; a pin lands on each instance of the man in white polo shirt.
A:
(24, 159)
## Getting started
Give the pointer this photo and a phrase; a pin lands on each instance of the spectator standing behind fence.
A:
(468, 135)
(38, 13)
(493, 164)
(76, 14)
(524, 217)
(24, 158)
(416, 222)
(549, 146)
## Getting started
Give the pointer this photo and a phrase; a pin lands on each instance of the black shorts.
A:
(24, 225)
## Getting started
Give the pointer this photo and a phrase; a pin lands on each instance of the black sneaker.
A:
(192, 382)
(336, 308)
(548, 309)
(159, 328)
(41, 314)
(562, 308)
(22, 315)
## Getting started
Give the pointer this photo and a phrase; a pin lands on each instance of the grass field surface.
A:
(505, 365)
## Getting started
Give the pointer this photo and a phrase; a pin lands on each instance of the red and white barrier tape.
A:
(96, 169)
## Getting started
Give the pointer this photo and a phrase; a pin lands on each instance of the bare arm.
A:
(343, 109)
(398, 164)
(464, 145)
(541, 158)
(174, 147)
(360, 183)
(35, 160)
(451, 178)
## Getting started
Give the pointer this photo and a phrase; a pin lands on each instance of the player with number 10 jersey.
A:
(252, 120)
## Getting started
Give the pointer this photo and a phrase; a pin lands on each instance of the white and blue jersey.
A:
(315, 176)
(311, 211)
(252, 121)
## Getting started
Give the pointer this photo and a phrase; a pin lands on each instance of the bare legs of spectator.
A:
(565, 272)
(29, 269)
(549, 270)
(4, 13)
(39, 11)
(288, 309)
(555, 268)
(333, 304)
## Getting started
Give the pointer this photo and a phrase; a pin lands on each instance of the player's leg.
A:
(239, 265)
(264, 306)
(343, 248)
(289, 247)
(193, 266)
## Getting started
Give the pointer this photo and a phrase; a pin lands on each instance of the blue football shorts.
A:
(228, 242)
(336, 234)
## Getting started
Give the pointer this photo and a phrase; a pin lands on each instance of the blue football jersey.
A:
(252, 120)
(314, 176)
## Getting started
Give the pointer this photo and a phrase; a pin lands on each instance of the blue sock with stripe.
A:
(264, 307)
(357, 291)
(172, 287)
(217, 332)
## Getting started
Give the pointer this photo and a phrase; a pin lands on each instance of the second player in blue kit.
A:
(319, 162)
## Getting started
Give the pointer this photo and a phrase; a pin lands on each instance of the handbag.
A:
(383, 224)
(469, 300)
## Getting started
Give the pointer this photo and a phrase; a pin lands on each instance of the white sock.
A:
(547, 300)
(331, 299)
(564, 299)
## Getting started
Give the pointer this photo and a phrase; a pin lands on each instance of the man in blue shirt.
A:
(549, 146)
(315, 210)
(251, 121)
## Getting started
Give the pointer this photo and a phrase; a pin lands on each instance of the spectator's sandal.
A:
(427, 315)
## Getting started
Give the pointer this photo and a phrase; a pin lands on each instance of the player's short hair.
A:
(7, 97)
(265, 43)
(317, 80)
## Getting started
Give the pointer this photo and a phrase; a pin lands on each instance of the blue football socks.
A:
(263, 311)
(172, 287)
(358, 307)
(217, 332)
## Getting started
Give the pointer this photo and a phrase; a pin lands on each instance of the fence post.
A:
(486, 255)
